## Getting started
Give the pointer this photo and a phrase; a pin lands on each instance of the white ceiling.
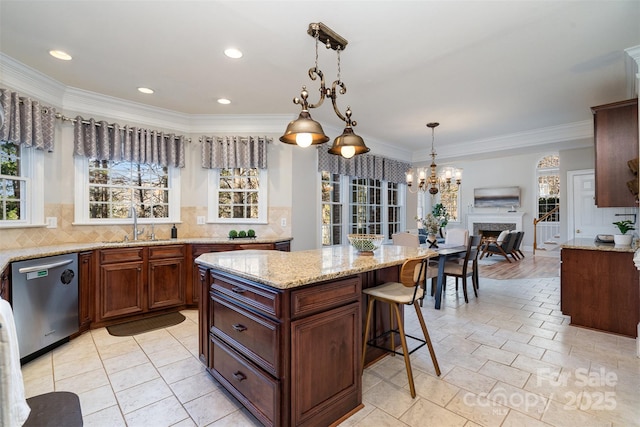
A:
(495, 74)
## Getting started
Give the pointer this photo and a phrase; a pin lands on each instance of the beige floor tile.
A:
(501, 372)
(38, 385)
(239, 418)
(529, 403)
(495, 354)
(390, 398)
(182, 369)
(524, 349)
(40, 367)
(193, 387)
(435, 389)
(141, 395)
(118, 349)
(83, 382)
(133, 376)
(478, 409)
(108, 417)
(125, 361)
(97, 399)
(211, 407)
(470, 381)
(355, 419)
(169, 355)
(426, 413)
(163, 413)
(65, 369)
(559, 414)
(517, 419)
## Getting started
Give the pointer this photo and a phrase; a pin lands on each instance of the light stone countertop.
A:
(10, 255)
(285, 270)
(591, 245)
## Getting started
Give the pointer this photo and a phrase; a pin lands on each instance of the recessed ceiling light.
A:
(145, 90)
(60, 55)
(224, 101)
(232, 52)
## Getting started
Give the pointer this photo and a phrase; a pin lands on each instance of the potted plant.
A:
(623, 239)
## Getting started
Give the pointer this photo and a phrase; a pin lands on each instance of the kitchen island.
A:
(599, 286)
(282, 331)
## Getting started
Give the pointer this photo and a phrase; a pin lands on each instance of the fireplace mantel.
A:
(494, 217)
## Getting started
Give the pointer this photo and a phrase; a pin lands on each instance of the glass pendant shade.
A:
(348, 144)
(304, 131)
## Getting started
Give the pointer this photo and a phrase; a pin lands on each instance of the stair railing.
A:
(535, 226)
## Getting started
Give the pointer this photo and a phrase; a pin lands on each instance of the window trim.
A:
(81, 197)
(213, 181)
(32, 171)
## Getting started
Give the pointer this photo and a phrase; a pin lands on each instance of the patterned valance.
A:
(104, 141)
(26, 122)
(363, 166)
(234, 152)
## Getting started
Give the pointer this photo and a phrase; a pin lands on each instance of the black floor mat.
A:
(145, 325)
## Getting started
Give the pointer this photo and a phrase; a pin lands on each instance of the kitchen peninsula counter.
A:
(282, 331)
(599, 286)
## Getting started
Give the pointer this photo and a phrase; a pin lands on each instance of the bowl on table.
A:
(366, 243)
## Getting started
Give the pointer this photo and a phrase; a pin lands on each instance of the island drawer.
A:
(245, 292)
(255, 336)
(256, 390)
(325, 296)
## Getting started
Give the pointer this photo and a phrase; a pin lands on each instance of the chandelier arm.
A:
(314, 73)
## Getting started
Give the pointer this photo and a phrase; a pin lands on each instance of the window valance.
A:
(104, 141)
(234, 152)
(26, 122)
(363, 166)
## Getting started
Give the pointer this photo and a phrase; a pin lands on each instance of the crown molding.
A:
(28, 82)
(530, 139)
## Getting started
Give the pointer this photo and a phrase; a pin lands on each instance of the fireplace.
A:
(491, 224)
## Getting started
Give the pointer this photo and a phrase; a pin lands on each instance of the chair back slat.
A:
(413, 271)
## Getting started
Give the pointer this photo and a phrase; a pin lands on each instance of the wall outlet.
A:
(52, 221)
(200, 220)
(283, 222)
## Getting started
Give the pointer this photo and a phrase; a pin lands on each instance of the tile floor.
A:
(508, 358)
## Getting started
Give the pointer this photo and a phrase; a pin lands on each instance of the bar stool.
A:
(408, 291)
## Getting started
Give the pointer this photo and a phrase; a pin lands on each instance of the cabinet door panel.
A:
(85, 290)
(326, 365)
(166, 283)
(121, 287)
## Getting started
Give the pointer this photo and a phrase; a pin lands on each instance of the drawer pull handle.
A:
(238, 290)
(240, 328)
(239, 376)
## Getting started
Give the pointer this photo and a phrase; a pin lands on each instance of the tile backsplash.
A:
(66, 232)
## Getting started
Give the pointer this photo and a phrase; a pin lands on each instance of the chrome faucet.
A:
(134, 215)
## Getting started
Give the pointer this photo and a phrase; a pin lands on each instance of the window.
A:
(107, 189)
(21, 186)
(449, 198)
(375, 207)
(548, 177)
(238, 195)
(331, 209)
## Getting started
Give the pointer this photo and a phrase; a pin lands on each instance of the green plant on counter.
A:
(624, 226)
(242, 233)
(233, 234)
(251, 233)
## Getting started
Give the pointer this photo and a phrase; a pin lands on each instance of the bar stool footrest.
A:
(372, 341)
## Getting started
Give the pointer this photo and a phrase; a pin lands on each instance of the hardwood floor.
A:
(496, 267)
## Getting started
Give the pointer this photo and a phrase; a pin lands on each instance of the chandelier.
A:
(428, 178)
(304, 131)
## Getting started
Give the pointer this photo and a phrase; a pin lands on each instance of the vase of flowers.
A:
(623, 239)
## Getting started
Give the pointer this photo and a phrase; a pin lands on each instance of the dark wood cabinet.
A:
(166, 273)
(197, 249)
(292, 357)
(121, 283)
(5, 283)
(599, 290)
(616, 143)
(85, 290)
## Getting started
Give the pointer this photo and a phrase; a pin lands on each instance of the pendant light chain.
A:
(338, 52)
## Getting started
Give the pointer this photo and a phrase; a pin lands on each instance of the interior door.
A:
(586, 221)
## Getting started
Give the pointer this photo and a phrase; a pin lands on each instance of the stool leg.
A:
(405, 349)
(391, 328)
(427, 339)
(366, 329)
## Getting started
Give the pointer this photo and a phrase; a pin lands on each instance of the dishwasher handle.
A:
(44, 266)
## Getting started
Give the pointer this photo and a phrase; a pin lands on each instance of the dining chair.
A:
(406, 239)
(467, 267)
(515, 251)
(407, 291)
(456, 237)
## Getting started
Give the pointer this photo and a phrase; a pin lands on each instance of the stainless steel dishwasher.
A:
(45, 302)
